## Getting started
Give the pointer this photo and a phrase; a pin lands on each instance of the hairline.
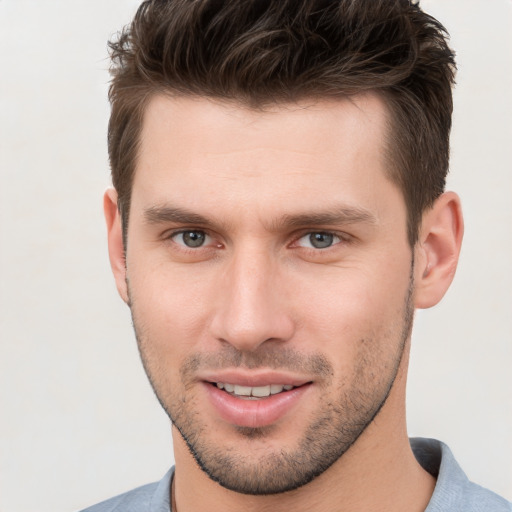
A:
(391, 158)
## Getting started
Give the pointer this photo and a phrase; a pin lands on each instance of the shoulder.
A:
(135, 500)
(152, 497)
(454, 491)
(479, 499)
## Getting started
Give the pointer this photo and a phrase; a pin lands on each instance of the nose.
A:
(252, 306)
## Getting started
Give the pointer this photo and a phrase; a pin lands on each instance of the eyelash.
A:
(172, 236)
(335, 239)
(338, 238)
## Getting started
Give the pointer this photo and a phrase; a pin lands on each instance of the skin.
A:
(258, 303)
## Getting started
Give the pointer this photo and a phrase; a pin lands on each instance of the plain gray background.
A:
(79, 422)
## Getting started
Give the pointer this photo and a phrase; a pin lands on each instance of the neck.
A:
(378, 472)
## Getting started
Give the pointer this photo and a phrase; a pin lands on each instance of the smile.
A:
(253, 392)
(254, 406)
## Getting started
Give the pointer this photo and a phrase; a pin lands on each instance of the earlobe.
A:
(115, 241)
(437, 250)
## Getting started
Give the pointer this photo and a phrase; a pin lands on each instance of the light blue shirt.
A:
(453, 491)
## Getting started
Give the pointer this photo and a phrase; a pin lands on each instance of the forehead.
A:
(310, 123)
(199, 152)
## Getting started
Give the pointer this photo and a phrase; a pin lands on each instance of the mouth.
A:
(258, 405)
(253, 392)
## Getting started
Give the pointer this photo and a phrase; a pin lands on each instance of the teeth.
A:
(276, 388)
(242, 390)
(256, 391)
(261, 391)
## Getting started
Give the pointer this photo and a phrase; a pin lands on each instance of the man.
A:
(278, 213)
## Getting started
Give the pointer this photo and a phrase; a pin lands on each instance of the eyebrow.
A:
(338, 215)
(162, 214)
(330, 216)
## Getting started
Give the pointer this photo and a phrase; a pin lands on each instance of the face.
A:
(269, 277)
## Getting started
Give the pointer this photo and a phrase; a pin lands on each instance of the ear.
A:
(437, 250)
(115, 241)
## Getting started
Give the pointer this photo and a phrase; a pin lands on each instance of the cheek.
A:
(353, 311)
(171, 310)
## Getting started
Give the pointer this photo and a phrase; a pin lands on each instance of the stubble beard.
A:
(337, 426)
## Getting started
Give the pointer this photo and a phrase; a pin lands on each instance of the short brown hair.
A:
(260, 52)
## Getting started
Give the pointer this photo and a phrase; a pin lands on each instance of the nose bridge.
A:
(252, 308)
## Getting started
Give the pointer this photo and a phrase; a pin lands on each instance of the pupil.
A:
(321, 240)
(193, 238)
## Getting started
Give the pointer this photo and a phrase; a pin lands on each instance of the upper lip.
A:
(254, 378)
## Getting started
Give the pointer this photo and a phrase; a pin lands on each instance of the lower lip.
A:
(254, 413)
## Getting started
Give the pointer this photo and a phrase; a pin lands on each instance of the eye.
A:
(318, 240)
(192, 239)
